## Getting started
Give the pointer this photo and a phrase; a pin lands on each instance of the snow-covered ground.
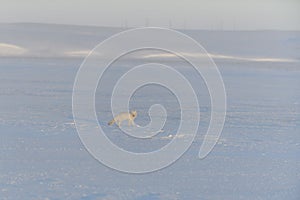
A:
(257, 156)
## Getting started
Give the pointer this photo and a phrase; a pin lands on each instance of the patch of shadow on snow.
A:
(93, 196)
(151, 196)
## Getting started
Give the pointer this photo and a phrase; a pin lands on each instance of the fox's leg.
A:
(119, 123)
(132, 122)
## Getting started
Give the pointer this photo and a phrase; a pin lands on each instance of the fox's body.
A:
(123, 117)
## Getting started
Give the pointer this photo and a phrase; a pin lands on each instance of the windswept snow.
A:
(257, 156)
(11, 50)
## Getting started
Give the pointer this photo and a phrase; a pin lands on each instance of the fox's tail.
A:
(111, 122)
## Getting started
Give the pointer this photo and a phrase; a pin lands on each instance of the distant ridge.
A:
(40, 40)
(36, 24)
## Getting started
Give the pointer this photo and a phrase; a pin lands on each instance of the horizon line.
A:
(132, 27)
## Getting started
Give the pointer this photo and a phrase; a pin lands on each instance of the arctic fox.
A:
(124, 116)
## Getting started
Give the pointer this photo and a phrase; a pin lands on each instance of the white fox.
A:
(124, 116)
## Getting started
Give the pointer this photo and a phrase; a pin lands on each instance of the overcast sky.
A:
(196, 14)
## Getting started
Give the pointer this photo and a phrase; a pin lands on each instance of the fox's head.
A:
(133, 113)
